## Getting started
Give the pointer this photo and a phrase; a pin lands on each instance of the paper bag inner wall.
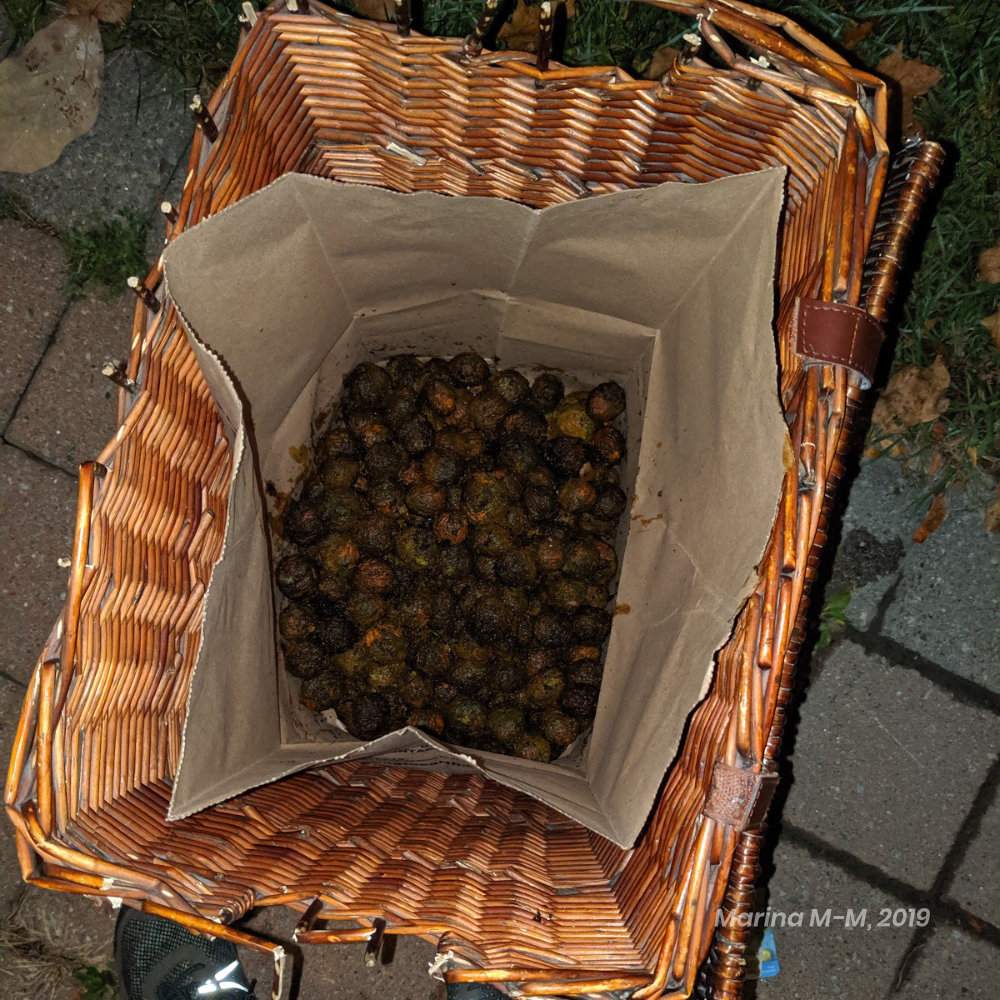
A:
(668, 290)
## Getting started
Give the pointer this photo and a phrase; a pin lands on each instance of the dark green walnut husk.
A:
(447, 564)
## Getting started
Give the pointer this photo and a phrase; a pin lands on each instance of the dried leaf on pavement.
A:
(992, 520)
(992, 323)
(109, 11)
(913, 79)
(913, 396)
(989, 265)
(663, 59)
(932, 519)
(50, 94)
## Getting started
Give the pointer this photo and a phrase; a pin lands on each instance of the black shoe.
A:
(158, 959)
(474, 991)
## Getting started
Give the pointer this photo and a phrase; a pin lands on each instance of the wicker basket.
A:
(518, 894)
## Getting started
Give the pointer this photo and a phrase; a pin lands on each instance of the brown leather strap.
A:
(833, 333)
(738, 797)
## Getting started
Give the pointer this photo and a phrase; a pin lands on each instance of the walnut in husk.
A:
(449, 558)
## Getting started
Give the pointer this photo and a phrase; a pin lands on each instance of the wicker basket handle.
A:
(788, 56)
(913, 175)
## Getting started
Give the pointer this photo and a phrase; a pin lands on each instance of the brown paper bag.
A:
(668, 290)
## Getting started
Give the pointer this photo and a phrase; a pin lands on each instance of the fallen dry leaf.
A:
(109, 11)
(50, 94)
(913, 79)
(857, 33)
(521, 31)
(989, 265)
(663, 59)
(992, 323)
(913, 396)
(375, 10)
(992, 520)
(932, 520)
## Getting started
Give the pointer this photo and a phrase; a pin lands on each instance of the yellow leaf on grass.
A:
(912, 79)
(109, 11)
(856, 33)
(521, 31)
(663, 59)
(989, 265)
(932, 520)
(992, 519)
(913, 396)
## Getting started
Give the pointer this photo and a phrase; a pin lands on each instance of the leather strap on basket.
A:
(738, 797)
(833, 333)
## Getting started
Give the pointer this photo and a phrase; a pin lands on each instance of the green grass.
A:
(196, 39)
(103, 256)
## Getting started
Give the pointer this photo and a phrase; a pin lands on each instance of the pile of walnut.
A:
(451, 555)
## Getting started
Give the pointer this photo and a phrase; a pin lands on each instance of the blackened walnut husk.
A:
(338, 472)
(375, 575)
(469, 369)
(296, 576)
(366, 715)
(442, 466)
(609, 444)
(302, 522)
(454, 572)
(304, 659)
(403, 405)
(609, 504)
(425, 499)
(339, 509)
(366, 387)
(527, 421)
(605, 402)
(567, 455)
(384, 462)
(405, 370)
(510, 385)
(579, 701)
(416, 435)
(375, 534)
(547, 391)
(322, 692)
(336, 634)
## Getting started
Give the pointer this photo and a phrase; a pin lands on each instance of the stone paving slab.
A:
(886, 765)
(62, 932)
(851, 957)
(126, 161)
(39, 512)
(32, 274)
(11, 700)
(337, 971)
(975, 884)
(947, 604)
(952, 964)
(69, 411)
